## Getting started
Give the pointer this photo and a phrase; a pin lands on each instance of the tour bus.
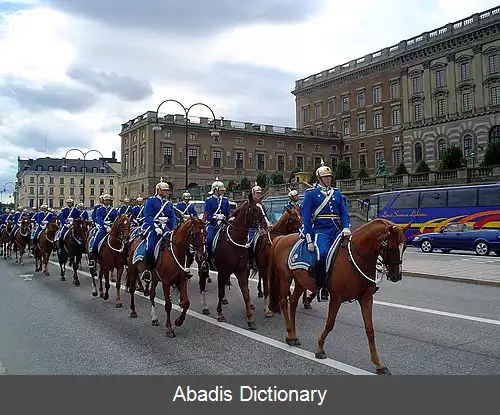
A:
(430, 209)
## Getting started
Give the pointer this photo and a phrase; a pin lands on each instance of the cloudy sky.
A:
(71, 71)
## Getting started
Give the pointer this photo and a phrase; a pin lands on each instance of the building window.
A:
(134, 158)
(416, 84)
(345, 103)
(143, 156)
(92, 191)
(193, 157)
(125, 161)
(493, 64)
(61, 203)
(495, 95)
(348, 160)
(361, 125)
(331, 107)
(334, 163)
(111, 191)
(71, 191)
(440, 78)
(61, 191)
(305, 114)
(71, 181)
(239, 160)
(260, 161)
(300, 162)
(32, 179)
(239, 141)
(32, 190)
(361, 99)
(111, 182)
(441, 148)
(378, 120)
(377, 95)
(317, 110)
(396, 116)
(167, 155)
(346, 127)
(494, 134)
(466, 101)
(281, 163)
(465, 71)
(61, 180)
(299, 147)
(192, 136)
(441, 107)
(418, 152)
(216, 159)
(394, 89)
(417, 112)
(281, 144)
(362, 161)
(396, 157)
(92, 203)
(468, 145)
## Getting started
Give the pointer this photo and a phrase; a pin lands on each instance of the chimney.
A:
(113, 155)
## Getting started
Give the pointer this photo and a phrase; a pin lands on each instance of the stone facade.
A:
(439, 87)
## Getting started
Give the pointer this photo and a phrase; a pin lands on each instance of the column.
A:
(451, 83)
(477, 76)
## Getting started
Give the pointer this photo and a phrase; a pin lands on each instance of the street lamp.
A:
(103, 167)
(38, 173)
(214, 132)
(5, 191)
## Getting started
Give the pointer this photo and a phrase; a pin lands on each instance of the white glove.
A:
(108, 229)
(70, 220)
(158, 231)
(310, 247)
(44, 222)
(219, 216)
(346, 232)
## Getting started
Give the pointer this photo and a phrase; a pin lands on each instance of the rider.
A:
(84, 215)
(185, 207)
(158, 210)
(3, 219)
(216, 209)
(94, 209)
(16, 218)
(257, 197)
(137, 210)
(40, 219)
(321, 210)
(66, 217)
(293, 195)
(125, 208)
(102, 223)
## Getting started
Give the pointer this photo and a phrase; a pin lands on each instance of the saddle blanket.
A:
(301, 258)
(140, 251)
(101, 243)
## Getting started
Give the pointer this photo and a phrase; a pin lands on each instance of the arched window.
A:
(73, 168)
(418, 152)
(441, 148)
(468, 144)
(495, 134)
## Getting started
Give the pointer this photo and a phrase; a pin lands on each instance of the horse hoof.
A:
(146, 293)
(76, 283)
(221, 319)
(170, 334)
(307, 306)
(205, 311)
(252, 325)
(225, 302)
(63, 279)
(94, 294)
(105, 297)
(155, 323)
(260, 295)
(140, 289)
(133, 314)
(209, 280)
(47, 274)
(178, 322)
(252, 306)
(383, 371)
(292, 342)
(101, 295)
(320, 355)
(268, 314)
(118, 305)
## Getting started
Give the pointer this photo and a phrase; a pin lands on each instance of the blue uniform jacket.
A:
(68, 212)
(17, 216)
(152, 207)
(124, 209)
(94, 210)
(100, 214)
(325, 220)
(215, 205)
(84, 215)
(135, 212)
(3, 218)
(187, 209)
(39, 217)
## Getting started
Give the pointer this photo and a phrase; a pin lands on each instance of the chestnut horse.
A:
(6, 240)
(350, 277)
(230, 256)
(289, 222)
(22, 238)
(170, 270)
(44, 247)
(113, 255)
(73, 249)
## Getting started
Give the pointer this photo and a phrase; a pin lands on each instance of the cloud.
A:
(48, 96)
(189, 18)
(124, 87)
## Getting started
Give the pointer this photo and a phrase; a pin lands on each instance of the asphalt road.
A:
(427, 327)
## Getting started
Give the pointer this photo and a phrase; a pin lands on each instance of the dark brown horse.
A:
(6, 240)
(231, 256)
(45, 245)
(22, 238)
(171, 269)
(73, 249)
(113, 255)
(351, 277)
(289, 222)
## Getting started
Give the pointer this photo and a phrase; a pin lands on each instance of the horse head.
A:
(79, 231)
(25, 226)
(252, 213)
(293, 220)
(51, 229)
(196, 236)
(121, 228)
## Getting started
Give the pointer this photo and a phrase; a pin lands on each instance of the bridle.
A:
(255, 224)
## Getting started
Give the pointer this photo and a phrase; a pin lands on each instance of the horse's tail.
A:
(274, 281)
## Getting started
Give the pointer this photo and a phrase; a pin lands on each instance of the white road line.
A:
(254, 336)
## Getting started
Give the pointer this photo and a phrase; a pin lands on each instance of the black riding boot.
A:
(319, 273)
(250, 258)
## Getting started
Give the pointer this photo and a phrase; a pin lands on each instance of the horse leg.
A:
(202, 280)
(62, 257)
(265, 271)
(152, 295)
(45, 259)
(333, 309)
(306, 301)
(107, 285)
(259, 286)
(101, 274)
(243, 283)
(119, 273)
(76, 262)
(131, 284)
(294, 302)
(221, 283)
(168, 309)
(366, 305)
(184, 301)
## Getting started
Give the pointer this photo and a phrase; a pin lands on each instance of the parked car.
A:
(461, 237)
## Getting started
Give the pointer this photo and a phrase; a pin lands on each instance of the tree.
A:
(492, 154)
(452, 158)
(422, 167)
(245, 184)
(262, 179)
(363, 174)
(277, 177)
(232, 185)
(295, 170)
(401, 170)
(343, 171)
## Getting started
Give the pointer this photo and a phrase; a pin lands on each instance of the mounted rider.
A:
(94, 209)
(84, 215)
(324, 216)
(159, 216)
(3, 219)
(66, 217)
(104, 215)
(125, 208)
(293, 203)
(136, 211)
(16, 218)
(41, 218)
(216, 210)
(252, 236)
(185, 207)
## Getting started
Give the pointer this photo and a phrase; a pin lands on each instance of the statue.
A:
(381, 167)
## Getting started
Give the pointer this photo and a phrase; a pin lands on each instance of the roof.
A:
(55, 164)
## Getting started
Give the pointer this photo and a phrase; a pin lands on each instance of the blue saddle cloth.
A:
(300, 257)
(140, 252)
(135, 233)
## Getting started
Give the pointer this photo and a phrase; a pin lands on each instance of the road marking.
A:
(254, 336)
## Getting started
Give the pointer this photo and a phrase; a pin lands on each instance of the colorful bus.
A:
(430, 209)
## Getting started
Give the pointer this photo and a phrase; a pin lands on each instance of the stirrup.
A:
(146, 276)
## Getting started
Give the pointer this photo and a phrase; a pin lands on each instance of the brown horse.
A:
(113, 255)
(171, 270)
(6, 240)
(230, 255)
(351, 277)
(22, 238)
(288, 223)
(73, 248)
(45, 245)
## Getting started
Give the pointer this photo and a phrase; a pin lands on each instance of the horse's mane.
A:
(239, 209)
(364, 228)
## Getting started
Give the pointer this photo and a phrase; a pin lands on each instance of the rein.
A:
(256, 224)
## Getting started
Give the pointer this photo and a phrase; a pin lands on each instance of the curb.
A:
(3, 371)
(454, 279)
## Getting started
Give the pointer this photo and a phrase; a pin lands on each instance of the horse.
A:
(73, 249)
(230, 256)
(22, 238)
(6, 240)
(113, 255)
(349, 278)
(45, 246)
(289, 222)
(170, 270)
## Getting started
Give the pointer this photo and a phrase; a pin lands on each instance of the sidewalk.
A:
(471, 270)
